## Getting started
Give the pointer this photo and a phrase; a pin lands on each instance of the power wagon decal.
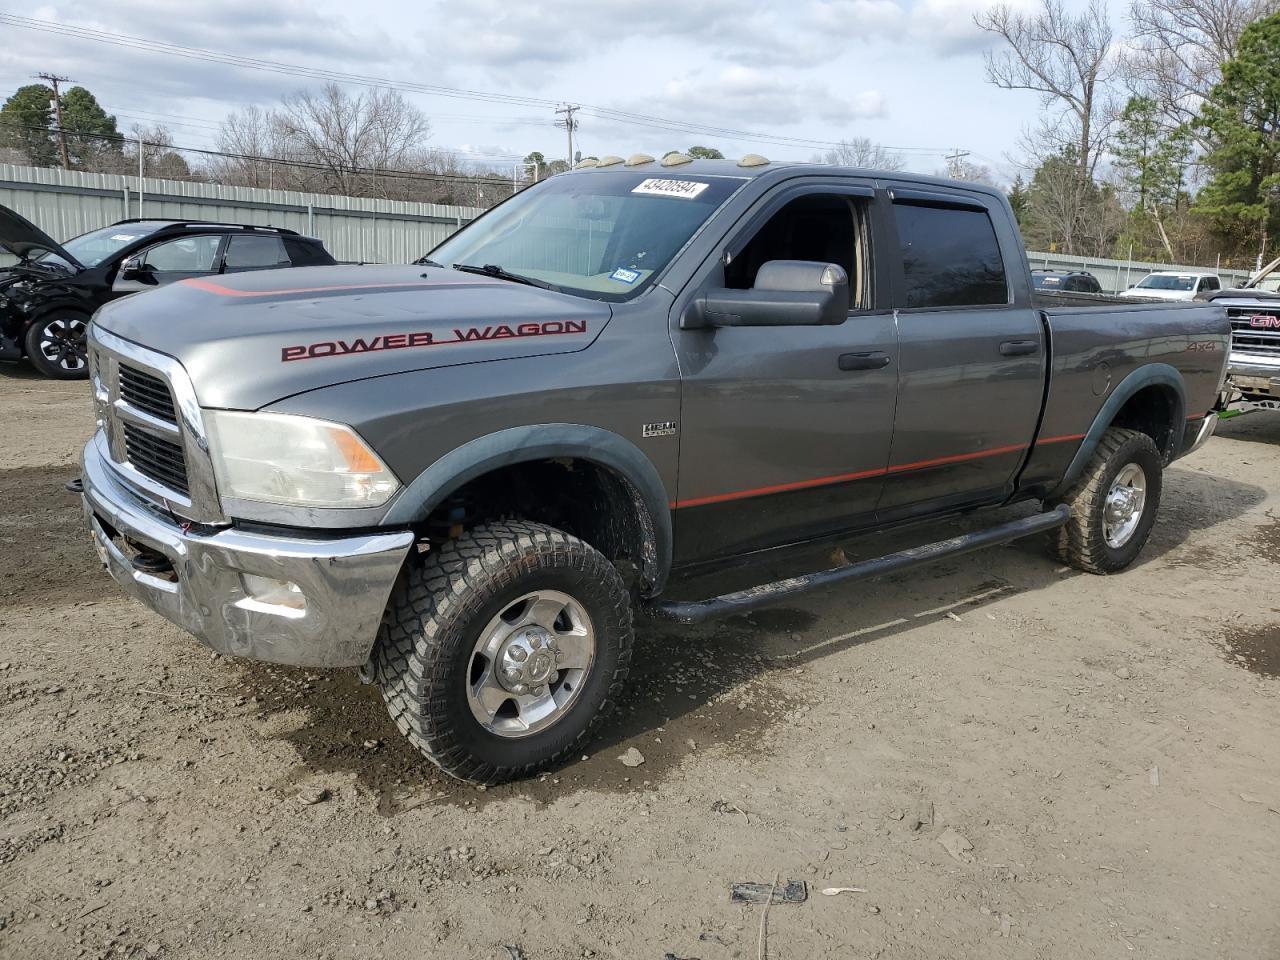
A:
(425, 338)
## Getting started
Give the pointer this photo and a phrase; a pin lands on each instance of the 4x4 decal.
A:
(425, 338)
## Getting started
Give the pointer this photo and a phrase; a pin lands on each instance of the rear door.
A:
(784, 431)
(971, 353)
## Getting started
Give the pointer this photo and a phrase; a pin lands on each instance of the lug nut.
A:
(539, 691)
(520, 689)
(518, 654)
(535, 641)
(512, 674)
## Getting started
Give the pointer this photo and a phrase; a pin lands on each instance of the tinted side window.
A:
(254, 252)
(1211, 283)
(950, 257)
(185, 255)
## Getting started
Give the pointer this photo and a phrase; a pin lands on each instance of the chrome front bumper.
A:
(344, 583)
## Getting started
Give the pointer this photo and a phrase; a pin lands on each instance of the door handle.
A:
(874, 360)
(1019, 348)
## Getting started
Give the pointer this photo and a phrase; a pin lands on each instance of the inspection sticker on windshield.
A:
(682, 189)
(623, 275)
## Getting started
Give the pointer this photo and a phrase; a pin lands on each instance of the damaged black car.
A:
(49, 291)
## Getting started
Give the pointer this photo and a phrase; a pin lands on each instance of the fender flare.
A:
(1152, 374)
(543, 441)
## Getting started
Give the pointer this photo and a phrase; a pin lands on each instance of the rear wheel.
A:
(56, 345)
(1113, 504)
(503, 649)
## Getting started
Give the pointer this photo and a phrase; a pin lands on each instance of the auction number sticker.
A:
(681, 189)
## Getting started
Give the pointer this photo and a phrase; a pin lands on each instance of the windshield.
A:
(1164, 282)
(598, 235)
(94, 247)
(1268, 280)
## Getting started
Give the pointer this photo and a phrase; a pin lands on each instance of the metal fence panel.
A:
(66, 203)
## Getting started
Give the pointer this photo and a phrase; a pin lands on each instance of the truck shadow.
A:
(713, 687)
(1261, 426)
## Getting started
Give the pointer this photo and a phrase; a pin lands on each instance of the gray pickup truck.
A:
(464, 476)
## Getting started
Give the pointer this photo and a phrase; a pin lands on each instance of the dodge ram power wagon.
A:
(464, 476)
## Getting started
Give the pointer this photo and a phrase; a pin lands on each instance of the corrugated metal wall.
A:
(67, 203)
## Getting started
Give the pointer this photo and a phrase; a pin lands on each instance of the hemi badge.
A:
(667, 428)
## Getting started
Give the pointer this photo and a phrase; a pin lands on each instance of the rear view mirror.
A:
(786, 293)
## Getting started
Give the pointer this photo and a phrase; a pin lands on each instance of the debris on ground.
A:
(923, 815)
(793, 891)
(632, 758)
(515, 951)
(310, 796)
(836, 891)
(957, 845)
(1123, 673)
(1154, 776)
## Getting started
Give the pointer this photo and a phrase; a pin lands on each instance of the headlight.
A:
(279, 458)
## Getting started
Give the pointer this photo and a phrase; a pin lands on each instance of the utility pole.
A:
(953, 162)
(570, 123)
(57, 112)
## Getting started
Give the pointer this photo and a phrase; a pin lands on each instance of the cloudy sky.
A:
(904, 73)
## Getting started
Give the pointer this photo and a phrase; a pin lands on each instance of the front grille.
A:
(147, 393)
(156, 458)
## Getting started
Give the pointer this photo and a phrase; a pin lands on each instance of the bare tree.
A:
(1179, 47)
(1067, 59)
(350, 138)
(861, 152)
(245, 135)
(960, 168)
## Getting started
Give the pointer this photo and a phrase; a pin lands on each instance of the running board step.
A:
(695, 611)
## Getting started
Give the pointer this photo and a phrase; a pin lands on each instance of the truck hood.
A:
(25, 240)
(250, 339)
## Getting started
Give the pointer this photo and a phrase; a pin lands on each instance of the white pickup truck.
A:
(1254, 312)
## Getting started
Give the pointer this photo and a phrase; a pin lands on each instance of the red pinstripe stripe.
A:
(863, 474)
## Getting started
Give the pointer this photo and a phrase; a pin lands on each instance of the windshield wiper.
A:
(493, 270)
(427, 262)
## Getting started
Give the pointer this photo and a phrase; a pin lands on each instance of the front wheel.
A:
(56, 345)
(1113, 504)
(501, 651)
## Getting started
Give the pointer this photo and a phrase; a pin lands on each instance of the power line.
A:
(452, 178)
(273, 66)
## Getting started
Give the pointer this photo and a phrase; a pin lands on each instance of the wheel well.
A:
(1153, 411)
(579, 496)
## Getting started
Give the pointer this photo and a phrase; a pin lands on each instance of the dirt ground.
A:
(1109, 747)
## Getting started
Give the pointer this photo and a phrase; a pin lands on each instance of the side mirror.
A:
(135, 269)
(787, 293)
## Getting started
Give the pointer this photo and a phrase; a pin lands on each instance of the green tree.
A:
(705, 153)
(1018, 199)
(1242, 124)
(25, 122)
(1151, 160)
(87, 124)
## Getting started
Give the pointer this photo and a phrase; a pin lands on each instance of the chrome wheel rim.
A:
(529, 664)
(62, 343)
(1124, 505)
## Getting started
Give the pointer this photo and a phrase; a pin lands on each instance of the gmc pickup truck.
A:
(1254, 311)
(466, 475)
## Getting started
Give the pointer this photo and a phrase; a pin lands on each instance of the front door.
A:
(785, 430)
(972, 356)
